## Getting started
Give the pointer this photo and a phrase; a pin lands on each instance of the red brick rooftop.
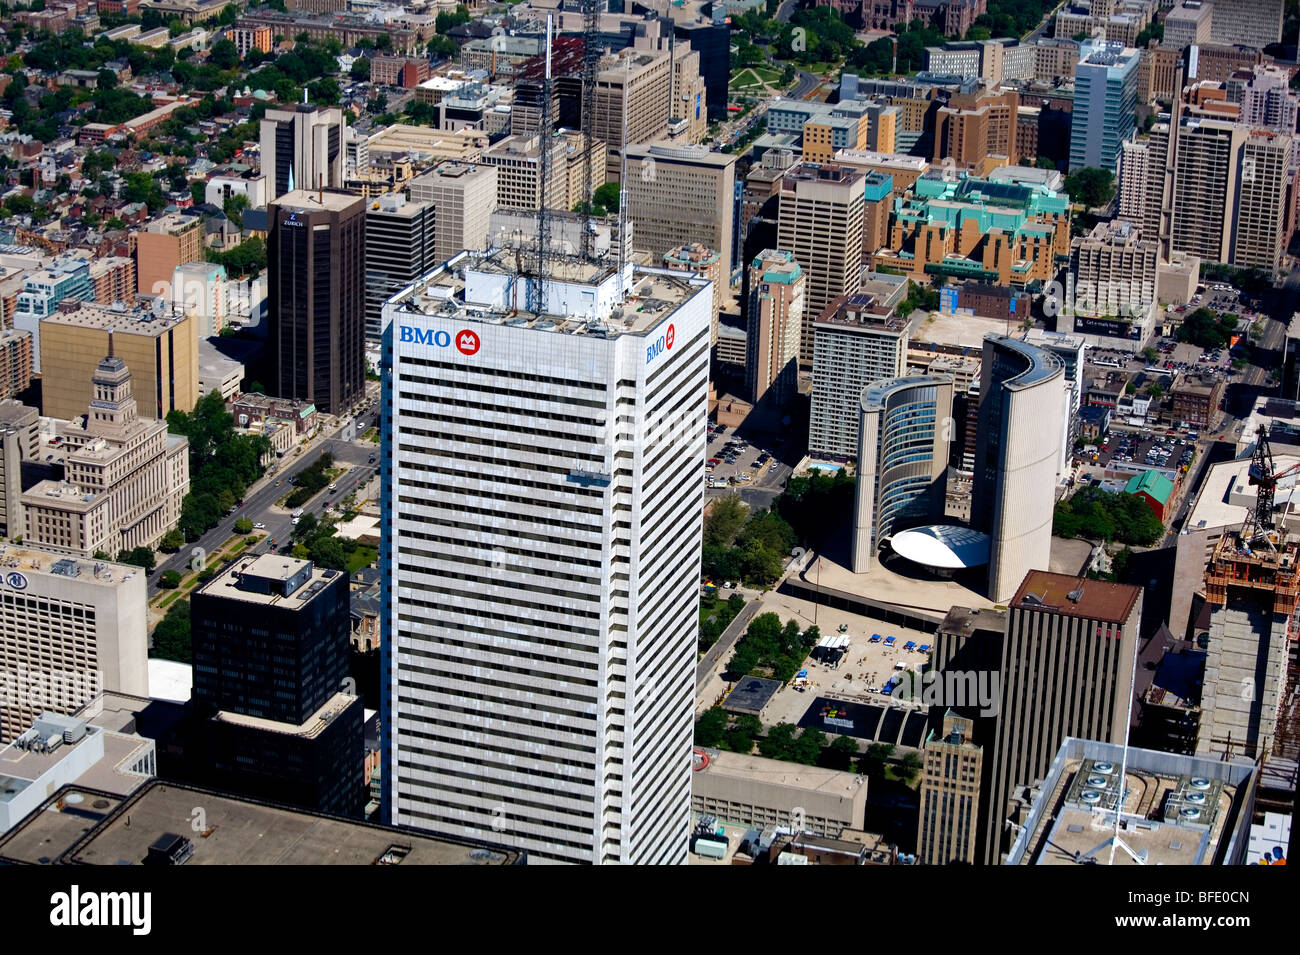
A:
(1097, 599)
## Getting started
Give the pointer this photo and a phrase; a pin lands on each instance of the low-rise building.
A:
(70, 629)
(758, 792)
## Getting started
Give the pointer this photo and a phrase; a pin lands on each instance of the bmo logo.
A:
(663, 344)
(467, 342)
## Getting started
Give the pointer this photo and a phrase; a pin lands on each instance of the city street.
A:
(259, 500)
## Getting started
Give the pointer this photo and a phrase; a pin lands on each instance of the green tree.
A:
(726, 517)
(779, 742)
(360, 69)
(873, 762)
(171, 542)
(171, 638)
(808, 747)
(1090, 186)
(710, 727)
(911, 766)
(223, 55)
(243, 526)
(840, 754)
(169, 580)
(139, 556)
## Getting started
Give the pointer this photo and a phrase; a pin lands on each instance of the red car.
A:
(714, 462)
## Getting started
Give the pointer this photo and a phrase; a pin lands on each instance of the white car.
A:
(259, 526)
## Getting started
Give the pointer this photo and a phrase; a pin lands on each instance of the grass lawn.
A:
(361, 557)
(712, 605)
(372, 435)
(750, 80)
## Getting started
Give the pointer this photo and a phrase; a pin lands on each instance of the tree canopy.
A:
(222, 463)
(1101, 515)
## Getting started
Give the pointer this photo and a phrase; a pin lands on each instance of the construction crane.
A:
(590, 67)
(1266, 479)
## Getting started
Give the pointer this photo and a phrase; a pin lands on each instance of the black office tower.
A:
(281, 720)
(712, 41)
(316, 297)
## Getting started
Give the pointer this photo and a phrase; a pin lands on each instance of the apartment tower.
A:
(820, 221)
(859, 342)
(773, 326)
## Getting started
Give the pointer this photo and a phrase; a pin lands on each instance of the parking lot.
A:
(1151, 448)
(734, 462)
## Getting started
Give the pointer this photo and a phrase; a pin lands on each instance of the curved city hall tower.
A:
(903, 444)
(1017, 448)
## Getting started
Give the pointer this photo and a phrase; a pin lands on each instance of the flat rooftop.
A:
(312, 728)
(775, 772)
(654, 294)
(26, 560)
(240, 832)
(1076, 596)
(269, 567)
(1226, 494)
(1176, 810)
(313, 200)
(120, 319)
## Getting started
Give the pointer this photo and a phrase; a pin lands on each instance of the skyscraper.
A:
(774, 323)
(678, 194)
(464, 196)
(902, 460)
(1105, 104)
(400, 247)
(544, 549)
(302, 148)
(950, 794)
(271, 677)
(1253, 23)
(1204, 195)
(820, 220)
(1067, 667)
(859, 341)
(316, 297)
(1017, 449)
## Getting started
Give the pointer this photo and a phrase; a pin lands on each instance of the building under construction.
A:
(1252, 590)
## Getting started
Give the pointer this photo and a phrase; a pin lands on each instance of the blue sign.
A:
(16, 580)
(662, 344)
(424, 336)
(1013, 305)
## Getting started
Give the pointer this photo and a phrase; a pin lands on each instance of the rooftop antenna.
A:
(622, 182)
(536, 290)
(590, 67)
(1115, 840)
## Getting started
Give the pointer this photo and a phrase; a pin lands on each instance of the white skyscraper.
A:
(544, 478)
